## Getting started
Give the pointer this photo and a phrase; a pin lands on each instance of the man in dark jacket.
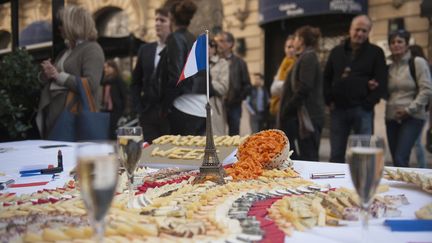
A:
(145, 88)
(239, 81)
(350, 67)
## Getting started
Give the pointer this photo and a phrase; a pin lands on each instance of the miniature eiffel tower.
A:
(211, 169)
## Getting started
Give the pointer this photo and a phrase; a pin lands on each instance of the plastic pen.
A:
(327, 175)
(5, 184)
(40, 172)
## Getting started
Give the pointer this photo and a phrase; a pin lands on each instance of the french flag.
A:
(196, 60)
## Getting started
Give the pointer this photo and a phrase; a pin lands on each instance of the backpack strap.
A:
(412, 69)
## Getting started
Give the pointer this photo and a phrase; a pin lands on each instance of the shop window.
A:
(5, 39)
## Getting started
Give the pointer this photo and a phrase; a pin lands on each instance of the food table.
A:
(16, 155)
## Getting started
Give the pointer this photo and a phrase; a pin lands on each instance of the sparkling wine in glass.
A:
(365, 155)
(129, 141)
(97, 170)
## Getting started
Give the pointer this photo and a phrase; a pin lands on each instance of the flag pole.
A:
(207, 66)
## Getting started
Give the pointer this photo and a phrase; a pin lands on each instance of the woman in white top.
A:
(407, 98)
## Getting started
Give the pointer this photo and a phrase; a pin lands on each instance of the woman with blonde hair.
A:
(83, 58)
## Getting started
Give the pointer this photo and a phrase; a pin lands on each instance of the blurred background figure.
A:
(408, 95)
(146, 84)
(114, 95)
(279, 79)
(183, 103)
(83, 58)
(417, 51)
(348, 71)
(239, 81)
(257, 103)
(219, 75)
(301, 114)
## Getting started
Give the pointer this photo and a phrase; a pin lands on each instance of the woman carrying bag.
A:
(83, 58)
(301, 114)
(407, 98)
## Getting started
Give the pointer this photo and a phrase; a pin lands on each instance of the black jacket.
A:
(346, 76)
(118, 93)
(145, 88)
(239, 81)
(178, 45)
(303, 86)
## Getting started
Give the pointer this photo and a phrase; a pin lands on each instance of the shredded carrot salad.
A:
(256, 151)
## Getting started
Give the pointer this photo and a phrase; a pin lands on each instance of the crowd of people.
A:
(354, 79)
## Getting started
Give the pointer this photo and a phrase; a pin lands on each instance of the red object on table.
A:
(39, 183)
(272, 232)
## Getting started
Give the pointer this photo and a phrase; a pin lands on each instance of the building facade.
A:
(241, 17)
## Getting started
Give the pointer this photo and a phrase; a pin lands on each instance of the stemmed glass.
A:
(365, 155)
(129, 141)
(97, 170)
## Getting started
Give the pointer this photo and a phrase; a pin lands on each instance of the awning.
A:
(272, 10)
(36, 32)
(426, 8)
(120, 46)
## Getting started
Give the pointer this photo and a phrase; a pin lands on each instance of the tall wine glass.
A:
(129, 141)
(97, 170)
(365, 155)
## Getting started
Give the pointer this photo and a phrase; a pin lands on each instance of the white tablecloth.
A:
(15, 155)
(377, 231)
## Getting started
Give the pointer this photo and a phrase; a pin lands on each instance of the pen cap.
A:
(59, 159)
(5, 184)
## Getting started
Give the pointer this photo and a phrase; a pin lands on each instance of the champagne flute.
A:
(97, 170)
(365, 155)
(129, 141)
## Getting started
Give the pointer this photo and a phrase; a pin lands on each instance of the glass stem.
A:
(365, 223)
(131, 192)
(99, 230)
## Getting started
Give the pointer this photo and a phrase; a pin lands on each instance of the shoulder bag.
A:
(90, 124)
(80, 120)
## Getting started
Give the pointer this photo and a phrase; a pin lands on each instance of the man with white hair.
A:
(351, 69)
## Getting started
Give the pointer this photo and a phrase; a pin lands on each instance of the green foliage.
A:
(19, 93)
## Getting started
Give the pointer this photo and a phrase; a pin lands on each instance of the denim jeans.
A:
(401, 137)
(257, 122)
(420, 153)
(233, 116)
(357, 119)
